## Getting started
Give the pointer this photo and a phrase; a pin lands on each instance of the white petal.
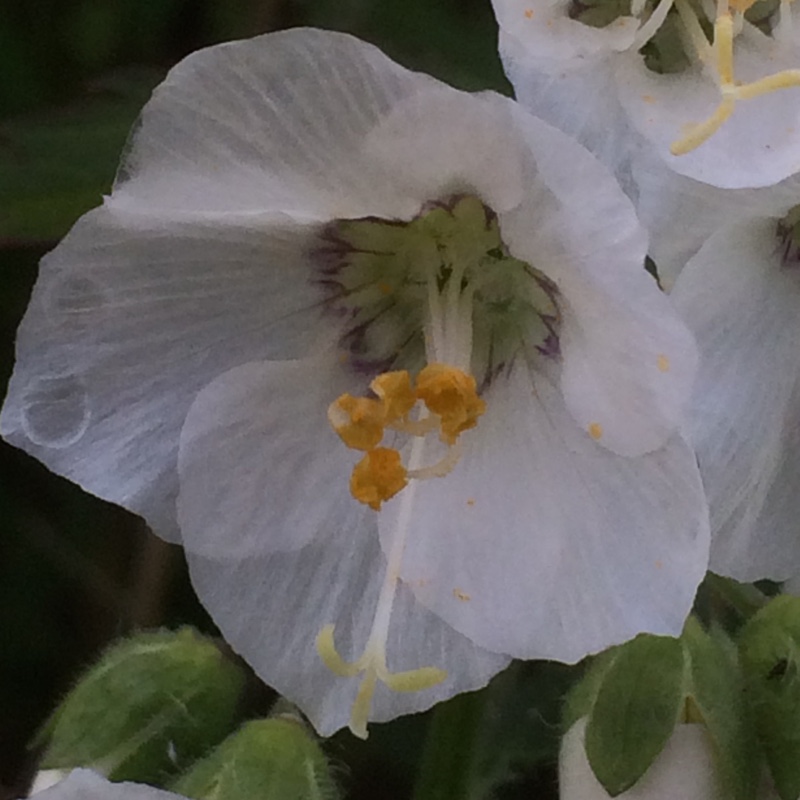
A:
(545, 28)
(271, 608)
(684, 769)
(758, 146)
(628, 360)
(443, 142)
(668, 203)
(274, 122)
(278, 548)
(83, 784)
(130, 318)
(541, 544)
(743, 309)
(261, 470)
(578, 98)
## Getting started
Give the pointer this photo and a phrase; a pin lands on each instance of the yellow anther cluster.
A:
(379, 476)
(450, 394)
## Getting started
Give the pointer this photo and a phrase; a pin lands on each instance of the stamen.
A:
(731, 92)
(359, 421)
(394, 390)
(378, 477)
(373, 660)
(452, 394)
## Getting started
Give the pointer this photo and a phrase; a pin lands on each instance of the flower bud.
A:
(151, 706)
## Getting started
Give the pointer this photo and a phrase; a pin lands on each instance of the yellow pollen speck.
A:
(452, 394)
(595, 430)
(648, 98)
(663, 363)
(471, 501)
(379, 476)
(459, 595)
(528, 13)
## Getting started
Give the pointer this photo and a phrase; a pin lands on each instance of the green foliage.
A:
(151, 706)
(55, 167)
(635, 694)
(769, 648)
(270, 759)
(716, 690)
(637, 706)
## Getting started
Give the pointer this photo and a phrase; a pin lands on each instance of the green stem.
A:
(447, 760)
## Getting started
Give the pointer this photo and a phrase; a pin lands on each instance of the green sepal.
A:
(716, 696)
(769, 649)
(269, 759)
(638, 703)
(152, 705)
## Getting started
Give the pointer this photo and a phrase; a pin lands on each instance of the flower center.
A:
(397, 283)
(676, 34)
(439, 296)
(788, 232)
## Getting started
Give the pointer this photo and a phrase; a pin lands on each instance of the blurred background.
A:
(76, 572)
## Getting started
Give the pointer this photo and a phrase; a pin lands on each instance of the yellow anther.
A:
(359, 421)
(596, 430)
(452, 394)
(731, 91)
(662, 362)
(395, 392)
(379, 476)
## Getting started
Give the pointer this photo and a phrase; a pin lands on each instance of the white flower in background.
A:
(84, 784)
(712, 87)
(299, 221)
(740, 294)
(684, 770)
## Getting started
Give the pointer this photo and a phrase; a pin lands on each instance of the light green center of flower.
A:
(392, 279)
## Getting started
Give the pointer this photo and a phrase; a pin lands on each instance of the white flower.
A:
(685, 769)
(297, 219)
(740, 294)
(84, 784)
(623, 76)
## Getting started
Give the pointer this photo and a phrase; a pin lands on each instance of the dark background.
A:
(76, 572)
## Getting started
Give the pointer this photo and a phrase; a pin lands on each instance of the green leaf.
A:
(270, 759)
(57, 165)
(769, 648)
(717, 693)
(151, 706)
(636, 709)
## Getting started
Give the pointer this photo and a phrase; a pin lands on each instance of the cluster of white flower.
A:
(384, 357)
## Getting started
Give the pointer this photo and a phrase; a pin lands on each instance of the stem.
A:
(447, 761)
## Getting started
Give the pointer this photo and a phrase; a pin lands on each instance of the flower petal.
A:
(83, 784)
(444, 142)
(545, 28)
(541, 544)
(274, 122)
(743, 309)
(628, 360)
(271, 608)
(758, 146)
(260, 467)
(131, 316)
